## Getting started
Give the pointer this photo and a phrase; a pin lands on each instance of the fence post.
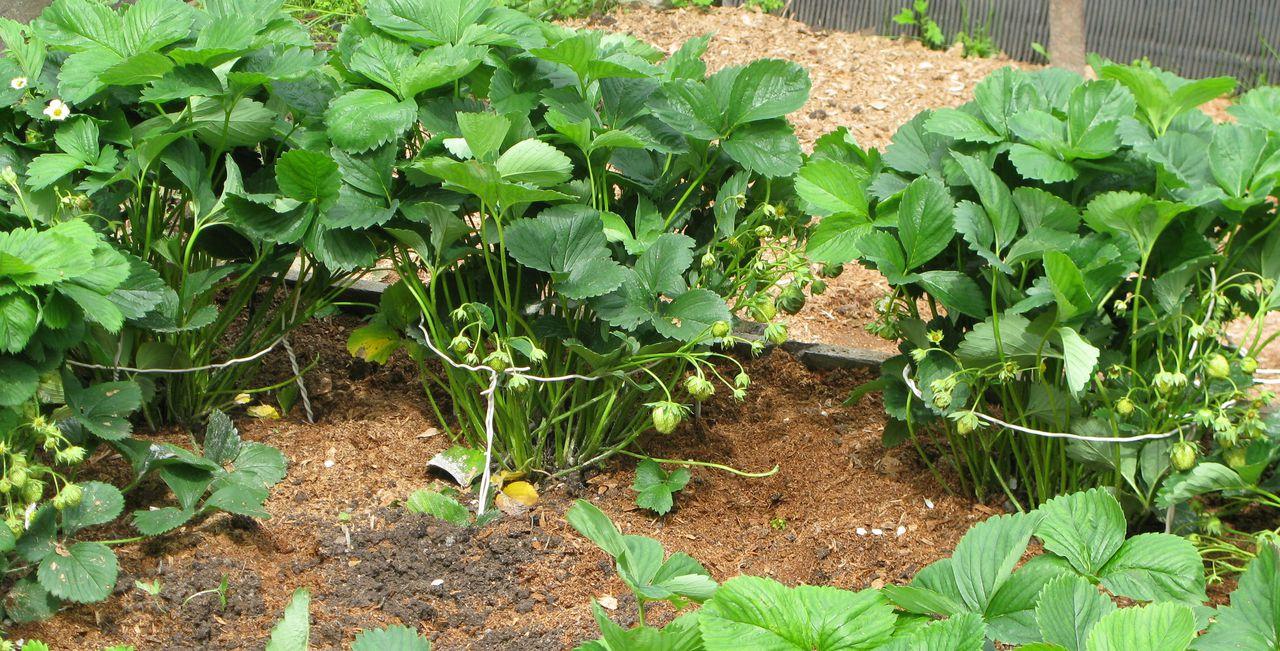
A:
(1066, 34)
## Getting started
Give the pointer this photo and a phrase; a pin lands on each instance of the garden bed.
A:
(523, 582)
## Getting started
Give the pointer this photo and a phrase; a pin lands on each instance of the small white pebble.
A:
(879, 106)
(877, 532)
(861, 531)
(925, 65)
(328, 463)
(928, 502)
(901, 530)
(437, 582)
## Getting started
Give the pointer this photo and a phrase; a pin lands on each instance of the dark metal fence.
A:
(1195, 38)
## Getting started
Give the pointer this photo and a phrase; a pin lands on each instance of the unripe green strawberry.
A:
(518, 383)
(765, 310)
(1235, 458)
(1124, 406)
(1213, 526)
(18, 476)
(1249, 364)
(666, 416)
(776, 333)
(498, 361)
(791, 299)
(742, 380)
(708, 260)
(966, 421)
(14, 524)
(721, 329)
(699, 387)
(817, 287)
(763, 231)
(832, 270)
(460, 344)
(1183, 456)
(69, 496)
(1217, 366)
(32, 490)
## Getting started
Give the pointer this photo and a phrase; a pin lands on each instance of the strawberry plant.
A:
(1064, 257)
(569, 204)
(187, 136)
(984, 596)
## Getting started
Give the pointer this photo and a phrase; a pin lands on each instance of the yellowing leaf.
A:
(263, 411)
(522, 492)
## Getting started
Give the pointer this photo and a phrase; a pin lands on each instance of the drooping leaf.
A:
(1252, 620)
(759, 613)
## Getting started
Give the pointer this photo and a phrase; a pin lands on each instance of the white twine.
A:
(297, 377)
(490, 407)
(193, 369)
(1038, 432)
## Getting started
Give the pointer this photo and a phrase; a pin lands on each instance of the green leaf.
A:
(955, 290)
(257, 465)
(293, 631)
(986, 555)
(103, 408)
(750, 612)
(28, 601)
(1206, 477)
(964, 632)
(439, 505)
(1011, 613)
(245, 124)
(831, 187)
(308, 176)
(100, 503)
(1155, 627)
(569, 243)
(765, 89)
(1156, 567)
(768, 148)
(1037, 164)
(391, 638)
(690, 108)
(364, 119)
(97, 308)
(925, 223)
(656, 486)
(221, 439)
(835, 239)
(429, 23)
(47, 169)
(995, 196)
(18, 322)
(79, 24)
(152, 24)
(483, 133)
(1252, 620)
(187, 482)
(534, 162)
(1079, 358)
(961, 125)
(1067, 283)
(592, 523)
(85, 572)
(239, 499)
(1134, 214)
(1068, 608)
(156, 521)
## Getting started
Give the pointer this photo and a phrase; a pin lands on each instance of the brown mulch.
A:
(524, 582)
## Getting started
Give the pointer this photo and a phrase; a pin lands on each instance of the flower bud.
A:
(739, 394)
(1217, 366)
(742, 380)
(721, 329)
(71, 455)
(1183, 456)
(966, 421)
(708, 260)
(1213, 526)
(471, 359)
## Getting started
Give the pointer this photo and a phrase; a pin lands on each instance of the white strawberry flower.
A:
(18, 83)
(57, 110)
